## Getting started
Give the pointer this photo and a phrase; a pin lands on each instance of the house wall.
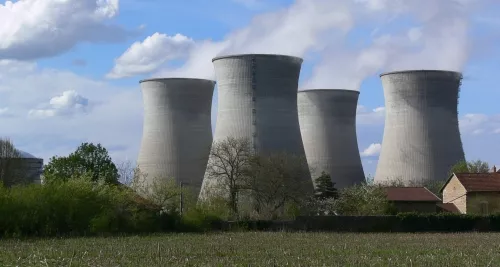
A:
(489, 200)
(454, 192)
(417, 206)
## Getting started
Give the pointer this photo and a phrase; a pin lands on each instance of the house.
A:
(413, 199)
(473, 193)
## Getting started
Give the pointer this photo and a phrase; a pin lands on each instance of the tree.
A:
(325, 188)
(227, 169)
(362, 199)
(476, 166)
(164, 192)
(88, 158)
(126, 172)
(11, 166)
(276, 180)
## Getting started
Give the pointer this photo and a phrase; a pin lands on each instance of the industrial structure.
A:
(328, 125)
(257, 101)
(177, 131)
(421, 139)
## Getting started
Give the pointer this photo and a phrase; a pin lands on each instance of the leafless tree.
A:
(276, 180)
(126, 171)
(11, 166)
(163, 192)
(227, 168)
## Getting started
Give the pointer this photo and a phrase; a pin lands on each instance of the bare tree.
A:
(12, 169)
(227, 168)
(161, 191)
(276, 180)
(126, 172)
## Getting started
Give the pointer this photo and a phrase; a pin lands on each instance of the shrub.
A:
(76, 207)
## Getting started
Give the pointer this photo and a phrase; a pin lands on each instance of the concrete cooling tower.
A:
(177, 131)
(421, 136)
(328, 125)
(258, 102)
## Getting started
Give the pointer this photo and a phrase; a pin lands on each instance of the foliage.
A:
(12, 168)
(476, 166)
(324, 187)
(246, 249)
(277, 181)
(229, 161)
(163, 192)
(363, 199)
(78, 206)
(88, 159)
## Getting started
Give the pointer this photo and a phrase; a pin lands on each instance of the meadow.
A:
(258, 249)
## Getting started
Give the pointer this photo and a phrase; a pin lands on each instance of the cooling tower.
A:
(177, 131)
(421, 136)
(257, 101)
(328, 125)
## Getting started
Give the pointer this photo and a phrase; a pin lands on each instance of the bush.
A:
(77, 207)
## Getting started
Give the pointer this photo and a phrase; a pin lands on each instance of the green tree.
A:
(325, 188)
(476, 166)
(89, 159)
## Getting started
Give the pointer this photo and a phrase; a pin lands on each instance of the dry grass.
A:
(259, 249)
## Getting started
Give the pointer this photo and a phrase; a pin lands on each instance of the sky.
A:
(69, 69)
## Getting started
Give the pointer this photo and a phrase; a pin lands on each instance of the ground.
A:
(258, 249)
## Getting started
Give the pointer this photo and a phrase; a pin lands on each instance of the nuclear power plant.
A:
(177, 132)
(421, 139)
(257, 101)
(328, 125)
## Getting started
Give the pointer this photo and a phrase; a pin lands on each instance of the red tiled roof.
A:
(480, 182)
(450, 207)
(410, 194)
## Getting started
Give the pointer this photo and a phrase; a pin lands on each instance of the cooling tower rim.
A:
(176, 78)
(323, 90)
(299, 59)
(419, 71)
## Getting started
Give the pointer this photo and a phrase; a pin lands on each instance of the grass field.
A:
(258, 249)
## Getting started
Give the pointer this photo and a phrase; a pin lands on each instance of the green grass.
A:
(258, 249)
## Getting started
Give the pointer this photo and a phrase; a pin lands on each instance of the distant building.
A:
(413, 199)
(473, 193)
(24, 168)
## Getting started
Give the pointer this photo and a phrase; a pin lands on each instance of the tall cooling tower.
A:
(328, 126)
(421, 136)
(258, 102)
(177, 131)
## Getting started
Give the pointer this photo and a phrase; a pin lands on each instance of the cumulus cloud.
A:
(409, 34)
(365, 116)
(303, 27)
(33, 29)
(113, 113)
(372, 150)
(69, 103)
(148, 55)
(479, 124)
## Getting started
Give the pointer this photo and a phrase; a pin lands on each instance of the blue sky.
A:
(69, 70)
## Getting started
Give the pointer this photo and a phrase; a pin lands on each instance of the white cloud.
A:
(33, 29)
(148, 55)
(372, 150)
(365, 116)
(479, 124)
(438, 39)
(114, 119)
(69, 103)
(303, 27)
